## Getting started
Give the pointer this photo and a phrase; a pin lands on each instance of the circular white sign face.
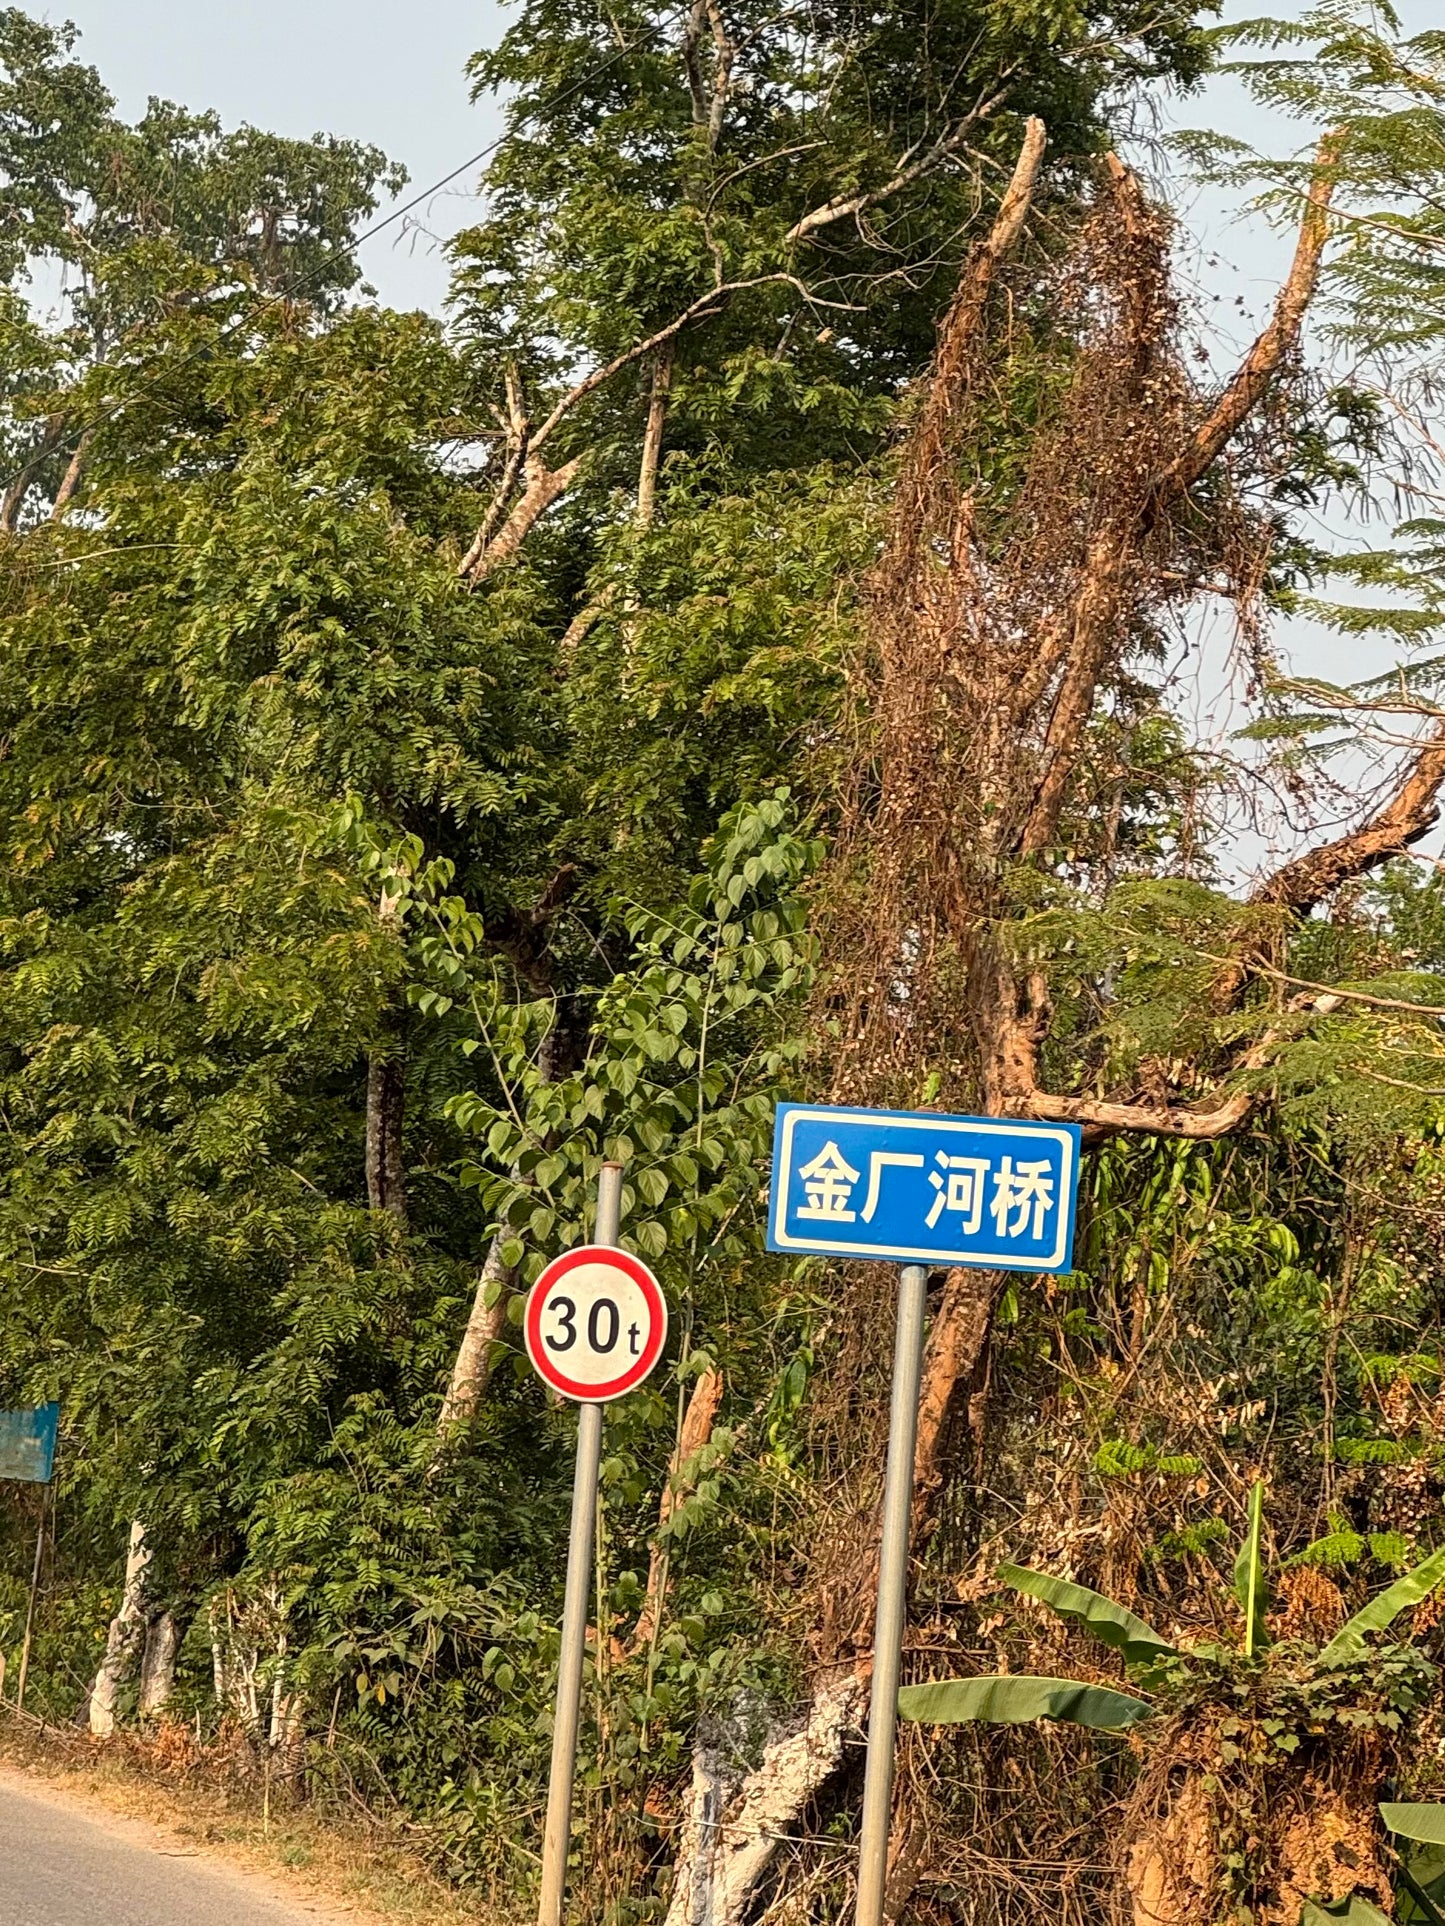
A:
(596, 1323)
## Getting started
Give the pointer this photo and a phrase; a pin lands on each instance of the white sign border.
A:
(551, 1273)
(931, 1254)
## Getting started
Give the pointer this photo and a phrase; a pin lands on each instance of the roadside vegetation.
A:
(735, 654)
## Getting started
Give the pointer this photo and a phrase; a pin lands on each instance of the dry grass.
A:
(361, 1871)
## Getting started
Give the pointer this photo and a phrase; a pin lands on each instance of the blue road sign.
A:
(27, 1443)
(911, 1187)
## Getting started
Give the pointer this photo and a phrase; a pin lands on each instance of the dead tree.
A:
(997, 622)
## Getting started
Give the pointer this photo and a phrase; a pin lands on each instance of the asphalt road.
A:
(62, 1866)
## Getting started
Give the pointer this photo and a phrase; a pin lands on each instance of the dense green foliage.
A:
(311, 843)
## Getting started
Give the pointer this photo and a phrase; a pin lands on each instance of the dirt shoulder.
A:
(344, 1872)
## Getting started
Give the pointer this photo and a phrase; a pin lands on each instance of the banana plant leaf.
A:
(1097, 1614)
(1423, 1823)
(1249, 1586)
(1421, 1874)
(1355, 1911)
(1421, 1891)
(1413, 1589)
(1021, 1701)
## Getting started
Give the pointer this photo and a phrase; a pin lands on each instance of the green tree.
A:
(418, 747)
(160, 230)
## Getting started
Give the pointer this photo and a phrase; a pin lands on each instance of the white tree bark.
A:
(123, 1642)
(725, 1854)
(158, 1665)
(472, 1371)
(237, 1634)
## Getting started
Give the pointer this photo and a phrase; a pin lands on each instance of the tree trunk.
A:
(957, 1341)
(905, 1858)
(71, 480)
(472, 1371)
(694, 1436)
(722, 1860)
(1170, 1866)
(385, 1121)
(158, 1665)
(652, 439)
(14, 497)
(957, 1347)
(123, 1642)
(234, 1663)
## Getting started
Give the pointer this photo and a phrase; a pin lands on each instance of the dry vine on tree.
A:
(995, 635)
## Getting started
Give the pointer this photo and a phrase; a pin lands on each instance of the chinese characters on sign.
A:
(915, 1188)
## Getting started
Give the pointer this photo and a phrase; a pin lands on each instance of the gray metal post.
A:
(892, 1595)
(30, 1607)
(558, 1835)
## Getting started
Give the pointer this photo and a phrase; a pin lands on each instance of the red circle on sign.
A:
(599, 1276)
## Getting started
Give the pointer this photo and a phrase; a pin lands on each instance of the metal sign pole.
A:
(920, 1189)
(30, 1607)
(892, 1595)
(558, 1834)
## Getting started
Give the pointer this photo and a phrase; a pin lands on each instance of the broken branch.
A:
(1411, 811)
(1261, 364)
(544, 486)
(841, 208)
(1301, 885)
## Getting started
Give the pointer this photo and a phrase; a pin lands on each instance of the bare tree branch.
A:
(71, 480)
(694, 1436)
(931, 448)
(19, 488)
(1013, 209)
(472, 1368)
(1081, 634)
(1301, 885)
(760, 160)
(1105, 1119)
(519, 429)
(846, 205)
(652, 438)
(702, 308)
(1278, 340)
(1412, 810)
(725, 52)
(581, 626)
(957, 1339)
(692, 65)
(587, 617)
(544, 486)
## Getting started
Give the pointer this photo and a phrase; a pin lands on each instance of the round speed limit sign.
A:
(596, 1323)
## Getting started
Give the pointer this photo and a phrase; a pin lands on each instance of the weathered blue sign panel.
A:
(910, 1187)
(27, 1443)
